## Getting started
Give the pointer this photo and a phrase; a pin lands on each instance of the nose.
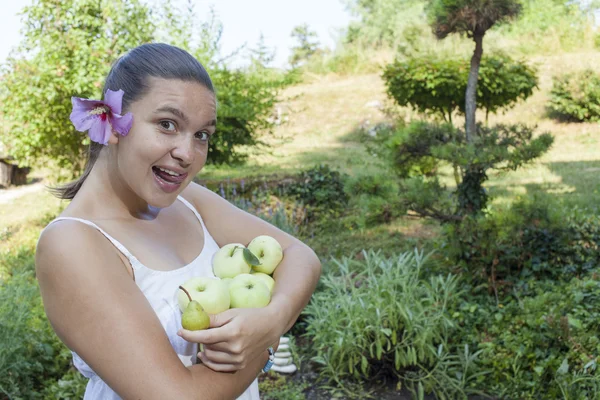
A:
(184, 151)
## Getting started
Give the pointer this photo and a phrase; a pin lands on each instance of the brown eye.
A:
(167, 125)
(203, 136)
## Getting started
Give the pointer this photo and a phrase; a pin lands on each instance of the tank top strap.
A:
(132, 260)
(191, 207)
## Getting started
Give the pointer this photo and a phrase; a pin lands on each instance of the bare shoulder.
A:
(99, 312)
(202, 197)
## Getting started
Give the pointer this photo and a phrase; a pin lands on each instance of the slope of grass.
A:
(324, 114)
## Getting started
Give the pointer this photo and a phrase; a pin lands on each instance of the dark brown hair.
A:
(130, 73)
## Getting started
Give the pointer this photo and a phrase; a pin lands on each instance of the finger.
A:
(206, 336)
(220, 319)
(215, 366)
(219, 357)
(223, 347)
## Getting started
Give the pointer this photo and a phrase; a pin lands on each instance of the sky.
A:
(243, 22)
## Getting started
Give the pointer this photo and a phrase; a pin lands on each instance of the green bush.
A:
(375, 198)
(533, 238)
(539, 343)
(576, 97)
(381, 185)
(31, 356)
(417, 149)
(68, 49)
(380, 316)
(431, 84)
(320, 187)
(277, 387)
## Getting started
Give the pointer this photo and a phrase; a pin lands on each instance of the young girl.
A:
(138, 227)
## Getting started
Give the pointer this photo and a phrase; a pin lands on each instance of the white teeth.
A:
(168, 171)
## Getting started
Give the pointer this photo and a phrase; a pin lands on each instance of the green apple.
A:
(248, 291)
(229, 261)
(268, 251)
(227, 281)
(266, 279)
(211, 293)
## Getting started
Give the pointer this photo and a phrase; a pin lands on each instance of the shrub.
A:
(576, 97)
(375, 198)
(437, 85)
(320, 187)
(532, 239)
(31, 356)
(379, 316)
(418, 148)
(540, 343)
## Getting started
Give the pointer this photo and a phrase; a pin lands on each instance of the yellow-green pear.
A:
(194, 317)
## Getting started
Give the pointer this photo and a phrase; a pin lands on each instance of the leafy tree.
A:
(67, 50)
(434, 85)
(307, 45)
(261, 56)
(472, 18)
(418, 150)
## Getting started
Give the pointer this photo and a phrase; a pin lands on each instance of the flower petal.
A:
(100, 131)
(80, 116)
(114, 100)
(121, 123)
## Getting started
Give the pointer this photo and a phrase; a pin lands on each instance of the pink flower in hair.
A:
(100, 118)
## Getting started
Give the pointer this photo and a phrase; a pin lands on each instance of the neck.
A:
(107, 196)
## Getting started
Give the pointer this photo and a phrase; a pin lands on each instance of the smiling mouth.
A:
(168, 177)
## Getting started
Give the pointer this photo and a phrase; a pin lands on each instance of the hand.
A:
(234, 338)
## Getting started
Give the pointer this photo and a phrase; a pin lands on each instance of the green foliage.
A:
(245, 103)
(375, 197)
(427, 84)
(503, 82)
(543, 26)
(276, 387)
(383, 22)
(320, 187)
(67, 50)
(533, 239)
(470, 17)
(551, 25)
(576, 97)
(307, 45)
(419, 148)
(435, 85)
(378, 315)
(539, 343)
(31, 356)
(70, 387)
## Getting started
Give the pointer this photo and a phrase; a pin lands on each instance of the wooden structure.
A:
(11, 174)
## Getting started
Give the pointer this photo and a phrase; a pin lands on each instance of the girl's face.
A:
(168, 142)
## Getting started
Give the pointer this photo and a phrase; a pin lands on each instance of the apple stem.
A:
(186, 292)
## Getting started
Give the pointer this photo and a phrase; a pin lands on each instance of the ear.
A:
(114, 138)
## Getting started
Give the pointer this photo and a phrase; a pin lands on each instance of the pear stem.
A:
(186, 292)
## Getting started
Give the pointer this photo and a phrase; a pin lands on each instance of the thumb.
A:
(220, 319)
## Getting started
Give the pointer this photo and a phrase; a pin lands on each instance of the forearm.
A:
(208, 384)
(296, 278)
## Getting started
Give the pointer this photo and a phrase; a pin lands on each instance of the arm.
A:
(296, 276)
(98, 311)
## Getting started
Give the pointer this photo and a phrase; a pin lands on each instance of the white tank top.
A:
(160, 288)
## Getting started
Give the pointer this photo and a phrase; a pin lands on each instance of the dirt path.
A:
(8, 195)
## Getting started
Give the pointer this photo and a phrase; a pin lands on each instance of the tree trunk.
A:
(471, 94)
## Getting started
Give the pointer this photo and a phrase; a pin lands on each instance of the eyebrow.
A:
(173, 111)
